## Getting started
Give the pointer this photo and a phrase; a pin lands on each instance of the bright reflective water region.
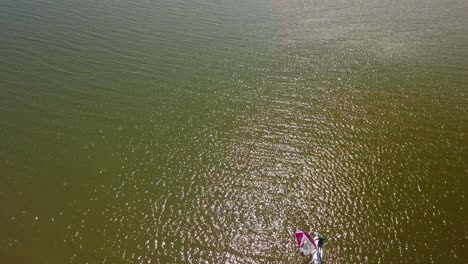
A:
(203, 131)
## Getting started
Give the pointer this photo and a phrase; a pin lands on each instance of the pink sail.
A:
(305, 242)
(309, 246)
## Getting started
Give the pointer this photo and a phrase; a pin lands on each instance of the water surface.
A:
(207, 131)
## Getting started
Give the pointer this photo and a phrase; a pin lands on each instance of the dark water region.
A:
(207, 131)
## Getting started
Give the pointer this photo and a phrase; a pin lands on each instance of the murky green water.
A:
(207, 131)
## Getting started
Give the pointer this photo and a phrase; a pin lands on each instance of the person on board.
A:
(321, 241)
